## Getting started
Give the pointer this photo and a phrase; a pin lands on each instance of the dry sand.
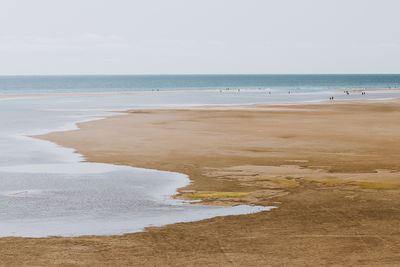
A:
(332, 169)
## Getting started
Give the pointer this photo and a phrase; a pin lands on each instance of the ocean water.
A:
(107, 83)
(46, 189)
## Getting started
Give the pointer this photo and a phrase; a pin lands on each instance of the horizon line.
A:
(195, 74)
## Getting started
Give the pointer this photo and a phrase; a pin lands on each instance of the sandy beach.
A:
(331, 169)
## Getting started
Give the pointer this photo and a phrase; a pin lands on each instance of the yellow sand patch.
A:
(220, 194)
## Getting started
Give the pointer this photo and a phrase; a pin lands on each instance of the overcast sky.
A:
(199, 36)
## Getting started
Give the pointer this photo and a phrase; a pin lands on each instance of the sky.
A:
(43, 37)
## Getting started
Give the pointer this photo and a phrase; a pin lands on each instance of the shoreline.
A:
(73, 126)
(327, 168)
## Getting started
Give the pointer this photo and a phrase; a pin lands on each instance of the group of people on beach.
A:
(347, 92)
(289, 92)
(227, 89)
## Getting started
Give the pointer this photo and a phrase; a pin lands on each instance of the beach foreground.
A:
(332, 169)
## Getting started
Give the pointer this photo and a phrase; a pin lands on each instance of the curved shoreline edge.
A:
(74, 126)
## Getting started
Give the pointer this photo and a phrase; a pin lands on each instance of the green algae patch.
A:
(365, 185)
(286, 182)
(220, 194)
(327, 182)
(374, 185)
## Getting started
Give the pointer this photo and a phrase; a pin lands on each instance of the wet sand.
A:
(40, 95)
(373, 90)
(69, 94)
(332, 169)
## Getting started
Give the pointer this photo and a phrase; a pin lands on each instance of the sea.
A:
(49, 190)
(120, 83)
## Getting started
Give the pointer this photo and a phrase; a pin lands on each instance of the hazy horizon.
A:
(180, 37)
(205, 74)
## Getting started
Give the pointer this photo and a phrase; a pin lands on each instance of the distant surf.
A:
(123, 83)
